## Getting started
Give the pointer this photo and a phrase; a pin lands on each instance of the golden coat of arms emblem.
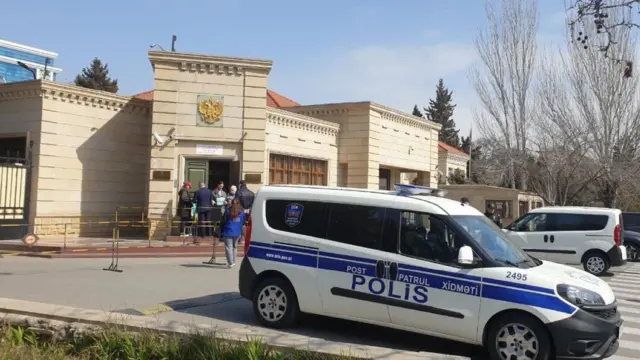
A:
(210, 110)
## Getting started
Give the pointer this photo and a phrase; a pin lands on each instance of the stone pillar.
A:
(181, 82)
(424, 179)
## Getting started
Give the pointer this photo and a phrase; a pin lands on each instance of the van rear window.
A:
(344, 223)
(579, 222)
(298, 217)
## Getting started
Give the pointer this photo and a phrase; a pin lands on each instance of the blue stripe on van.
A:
(442, 280)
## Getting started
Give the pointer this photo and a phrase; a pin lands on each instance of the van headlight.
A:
(579, 296)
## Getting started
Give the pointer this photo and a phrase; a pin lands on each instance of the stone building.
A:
(208, 118)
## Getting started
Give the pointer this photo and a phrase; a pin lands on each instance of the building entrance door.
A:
(211, 172)
(219, 171)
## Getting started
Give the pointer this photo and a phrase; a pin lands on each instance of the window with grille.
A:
(285, 169)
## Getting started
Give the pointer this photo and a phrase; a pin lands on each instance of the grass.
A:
(114, 344)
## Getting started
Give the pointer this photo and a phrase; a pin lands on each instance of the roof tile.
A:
(442, 146)
(273, 99)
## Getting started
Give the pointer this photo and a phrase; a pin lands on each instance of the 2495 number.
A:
(516, 276)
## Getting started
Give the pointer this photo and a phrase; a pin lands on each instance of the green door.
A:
(196, 171)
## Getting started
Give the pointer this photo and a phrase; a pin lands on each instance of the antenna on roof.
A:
(407, 189)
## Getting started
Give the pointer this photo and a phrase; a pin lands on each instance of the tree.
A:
(591, 24)
(457, 177)
(96, 76)
(559, 172)
(592, 106)
(507, 49)
(416, 112)
(440, 110)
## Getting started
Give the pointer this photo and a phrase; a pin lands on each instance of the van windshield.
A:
(494, 240)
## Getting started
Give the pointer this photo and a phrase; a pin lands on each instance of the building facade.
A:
(23, 63)
(509, 203)
(210, 119)
(451, 161)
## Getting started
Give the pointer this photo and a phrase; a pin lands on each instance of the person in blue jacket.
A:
(233, 221)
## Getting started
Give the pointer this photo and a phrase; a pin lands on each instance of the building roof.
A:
(278, 101)
(274, 99)
(442, 146)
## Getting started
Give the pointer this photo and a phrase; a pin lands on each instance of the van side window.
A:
(579, 222)
(428, 238)
(298, 217)
(532, 222)
(356, 225)
(631, 221)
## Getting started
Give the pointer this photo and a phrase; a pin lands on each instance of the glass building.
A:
(21, 63)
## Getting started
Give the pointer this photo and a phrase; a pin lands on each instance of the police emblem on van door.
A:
(293, 214)
(387, 270)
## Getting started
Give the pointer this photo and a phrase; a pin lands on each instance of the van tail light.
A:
(617, 235)
(247, 236)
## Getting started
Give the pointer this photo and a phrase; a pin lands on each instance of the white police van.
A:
(412, 260)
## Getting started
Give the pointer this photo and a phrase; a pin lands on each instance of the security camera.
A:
(158, 139)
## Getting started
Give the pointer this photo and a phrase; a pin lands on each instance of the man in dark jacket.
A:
(184, 208)
(491, 214)
(204, 199)
(245, 196)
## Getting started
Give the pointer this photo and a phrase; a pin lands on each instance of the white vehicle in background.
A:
(589, 236)
(412, 260)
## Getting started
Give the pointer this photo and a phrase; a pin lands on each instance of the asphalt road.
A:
(185, 290)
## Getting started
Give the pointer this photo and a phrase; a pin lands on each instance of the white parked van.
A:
(412, 260)
(572, 235)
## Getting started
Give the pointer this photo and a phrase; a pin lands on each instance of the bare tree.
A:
(488, 167)
(592, 106)
(507, 48)
(559, 171)
(591, 24)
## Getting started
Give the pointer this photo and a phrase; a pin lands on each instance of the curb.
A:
(19, 312)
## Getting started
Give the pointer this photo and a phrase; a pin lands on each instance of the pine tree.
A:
(416, 112)
(96, 76)
(440, 110)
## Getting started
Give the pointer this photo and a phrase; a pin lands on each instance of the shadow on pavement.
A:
(239, 310)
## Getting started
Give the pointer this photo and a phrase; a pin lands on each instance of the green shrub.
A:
(115, 343)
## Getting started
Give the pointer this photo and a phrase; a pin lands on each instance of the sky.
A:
(392, 53)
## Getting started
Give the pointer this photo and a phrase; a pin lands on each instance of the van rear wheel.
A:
(518, 337)
(596, 263)
(275, 303)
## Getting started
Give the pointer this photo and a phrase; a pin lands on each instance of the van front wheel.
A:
(518, 336)
(275, 303)
(596, 263)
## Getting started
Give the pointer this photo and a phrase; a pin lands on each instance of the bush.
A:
(115, 344)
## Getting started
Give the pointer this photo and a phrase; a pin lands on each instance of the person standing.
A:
(491, 214)
(231, 195)
(245, 196)
(219, 197)
(204, 199)
(184, 209)
(232, 230)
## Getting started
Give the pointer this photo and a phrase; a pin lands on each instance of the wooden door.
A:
(196, 171)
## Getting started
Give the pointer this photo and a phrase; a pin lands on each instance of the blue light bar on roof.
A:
(407, 189)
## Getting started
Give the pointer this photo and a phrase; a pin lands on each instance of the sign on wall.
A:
(209, 149)
(210, 110)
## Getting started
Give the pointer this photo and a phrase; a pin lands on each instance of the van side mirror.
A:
(465, 256)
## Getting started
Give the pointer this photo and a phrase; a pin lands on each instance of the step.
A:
(174, 239)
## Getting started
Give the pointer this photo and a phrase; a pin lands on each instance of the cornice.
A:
(405, 118)
(301, 122)
(385, 112)
(456, 156)
(72, 94)
(210, 64)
